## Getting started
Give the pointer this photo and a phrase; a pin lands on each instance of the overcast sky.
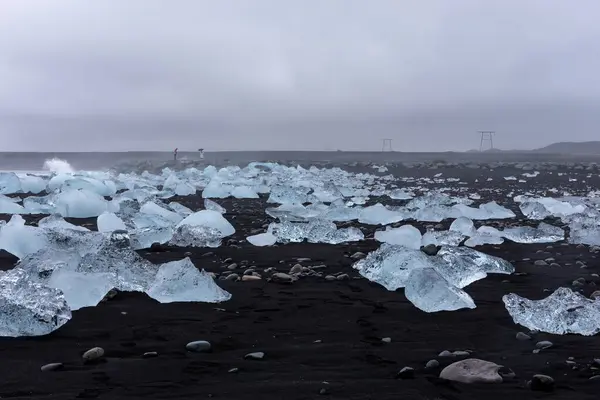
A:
(297, 74)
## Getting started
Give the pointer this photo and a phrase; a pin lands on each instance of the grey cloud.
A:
(313, 74)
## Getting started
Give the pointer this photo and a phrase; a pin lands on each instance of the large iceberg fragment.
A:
(390, 265)
(28, 308)
(155, 209)
(9, 183)
(378, 214)
(81, 289)
(128, 270)
(544, 233)
(406, 235)
(563, 312)
(182, 281)
(244, 192)
(109, 222)
(81, 203)
(8, 206)
(430, 292)
(209, 219)
(463, 225)
(32, 184)
(20, 239)
(534, 210)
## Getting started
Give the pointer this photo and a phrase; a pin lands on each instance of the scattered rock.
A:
(406, 373)
(259, 355)
(386, 340)
(150, 354)
(445, 353)
(461, 353)
(343, 277)
(540, 263)
(595, 378)
(541, 383)
(324, 391)
(330, 278)
(523, 336)
(358, 255)
(233, 277)
(52, 367)
(233, 370)
(544, 344)
(249, 278)
(296, 269)
(430, 249)
(198, 346)
(431, 364)
(472, 370)
(93, 354)
(280, 277)
(232, 267)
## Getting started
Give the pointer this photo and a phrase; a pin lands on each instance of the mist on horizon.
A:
(296, 75)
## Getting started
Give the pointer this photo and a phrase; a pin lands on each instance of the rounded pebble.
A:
(52, 367)
(93, 354)
(198, 346)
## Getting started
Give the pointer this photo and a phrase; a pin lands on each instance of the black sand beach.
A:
(321, 338)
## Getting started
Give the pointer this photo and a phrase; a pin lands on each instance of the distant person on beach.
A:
(175, 154)
(201, 153)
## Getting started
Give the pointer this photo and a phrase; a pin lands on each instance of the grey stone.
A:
(544, 344)
(198, 346)
(523, 336)
(540, 263)
(445, 353)
(93, 354)
(233, 277)
(330, 278)
(296, 269)
(150, 354)
(250, 278)
(232, 267)
(472, 370)
(430, 249)
(386, 340)
(406, 373)
(432, 364)
(541, 383)
(52, 367)
(343, 277)
(259, 355)
(280, 277)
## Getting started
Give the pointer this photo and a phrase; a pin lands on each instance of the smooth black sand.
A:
(321, 339)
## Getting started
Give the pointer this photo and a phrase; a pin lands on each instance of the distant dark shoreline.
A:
(103, 160)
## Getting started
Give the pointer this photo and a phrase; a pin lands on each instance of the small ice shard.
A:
(288, 231)
(328, 193)
(544, 233)
(182, 281)
(406, 235)
(401, 194)
(8, 206)
(29, 308)
(184, 189)
(180, 209)
(9, 183)
(150, 229)
(563, 312)
(81, 289)
(288, 195)
(154, 209)
(215, 190)
(20, 239)
(32, 184)
(244, 192)
(430, 292)
(262, 239)
(463, 225)
(89, 184)
(109, 222)
(534, 210)
(442, 238)
(209, 219)
(462, 264)
(79, 203)
(485, 235)
(378, 214)
(213, 206)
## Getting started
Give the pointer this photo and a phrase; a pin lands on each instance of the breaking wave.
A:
(58, 166)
